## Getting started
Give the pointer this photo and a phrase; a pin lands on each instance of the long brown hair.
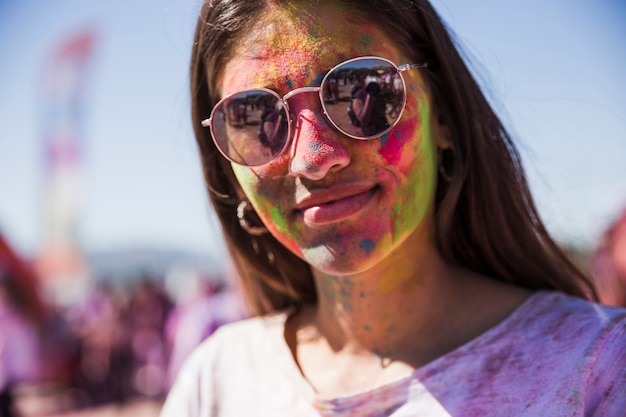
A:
(485, 215)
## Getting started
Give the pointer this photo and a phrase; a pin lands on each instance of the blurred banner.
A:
(61, 264)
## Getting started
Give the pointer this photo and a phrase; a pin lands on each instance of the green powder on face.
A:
(277, 218)
(419, 191)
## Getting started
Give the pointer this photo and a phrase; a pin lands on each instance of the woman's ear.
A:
(443, 136)
(445, 148)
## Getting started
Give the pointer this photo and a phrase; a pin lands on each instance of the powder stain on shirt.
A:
(538, 379)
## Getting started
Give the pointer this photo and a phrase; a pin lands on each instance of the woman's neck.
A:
(383, 309)
(373, 327)
(410, 318)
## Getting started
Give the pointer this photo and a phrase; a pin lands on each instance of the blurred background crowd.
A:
(111, 265)
(122, 341)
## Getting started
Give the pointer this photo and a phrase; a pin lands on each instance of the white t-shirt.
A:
(555, 355)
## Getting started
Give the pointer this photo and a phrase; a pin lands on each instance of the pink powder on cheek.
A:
(393, 142)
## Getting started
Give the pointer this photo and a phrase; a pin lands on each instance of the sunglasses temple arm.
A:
(407, 67)
(206, 123)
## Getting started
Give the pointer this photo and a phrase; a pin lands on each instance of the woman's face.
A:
(340, 204)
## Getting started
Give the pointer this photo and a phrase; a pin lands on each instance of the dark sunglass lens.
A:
(363, 98)
(250, 127)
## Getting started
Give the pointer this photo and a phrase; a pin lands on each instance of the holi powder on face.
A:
(338, 249)
(415, 198)
(260, 195)
(369, 32)
(319, 152)
(277, 218)
(365, 39)
(318, 80)
(393, 143)
(311, 150)
(298, 47)
(288, 49)
(280, 226)
(292, 54)
(384, 139)
(368, 245)
(282, 49)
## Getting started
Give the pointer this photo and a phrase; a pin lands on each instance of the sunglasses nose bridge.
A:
(300, 91)
(291, 110)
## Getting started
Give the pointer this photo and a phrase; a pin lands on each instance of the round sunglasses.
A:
(363, 98)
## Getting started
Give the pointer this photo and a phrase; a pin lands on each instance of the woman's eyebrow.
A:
(272, 86)
(278, 87)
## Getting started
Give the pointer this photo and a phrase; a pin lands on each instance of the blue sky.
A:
(553, 69)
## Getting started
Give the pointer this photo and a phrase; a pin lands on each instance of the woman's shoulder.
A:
(562, 308)
(230, 360)
(562, 326)
(250, 333)
(560, 316)
(582, 342)
(264, 323)
(249, 337)
(556, 354)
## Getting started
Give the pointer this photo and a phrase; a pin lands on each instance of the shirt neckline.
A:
(397, 387)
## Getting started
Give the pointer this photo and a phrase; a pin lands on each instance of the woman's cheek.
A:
(416, 197)
(280, 227)
(411, 149)
(261, 198)
(246, 178)
(253, 189)
(393, 144)
(398, 147)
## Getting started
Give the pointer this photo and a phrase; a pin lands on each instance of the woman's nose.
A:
(316, 149)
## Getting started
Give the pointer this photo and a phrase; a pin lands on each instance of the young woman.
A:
(398, 270)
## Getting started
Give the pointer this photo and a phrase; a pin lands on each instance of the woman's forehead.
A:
(278, 31)
(300, 48)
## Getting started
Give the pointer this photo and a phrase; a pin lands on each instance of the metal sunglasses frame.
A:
(320, 90)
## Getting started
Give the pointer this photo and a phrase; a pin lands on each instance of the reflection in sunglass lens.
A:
(251, 127)
(373, 91)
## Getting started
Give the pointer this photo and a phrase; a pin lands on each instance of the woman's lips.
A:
(335, 204)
